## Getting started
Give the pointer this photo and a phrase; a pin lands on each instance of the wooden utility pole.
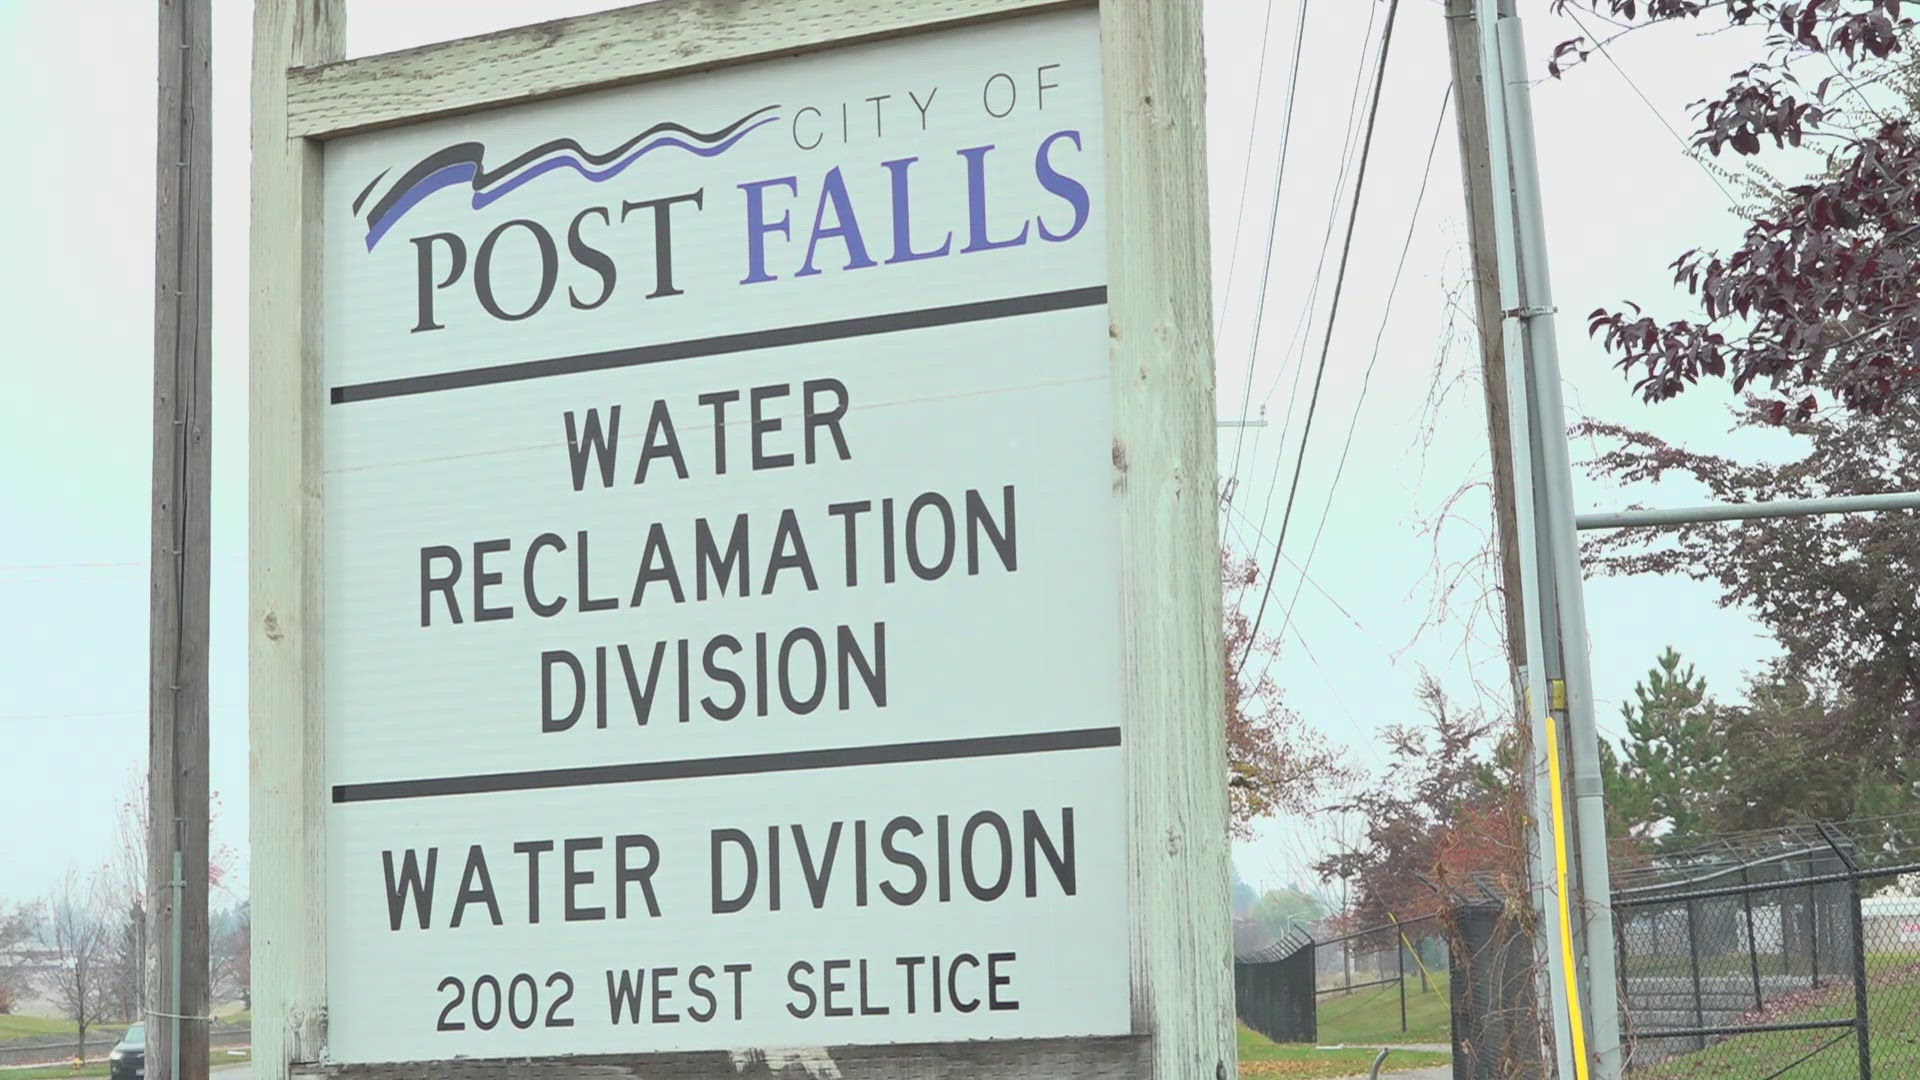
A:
(1470, 115)
(182, 469)
(1545, 603)
(1489, 200)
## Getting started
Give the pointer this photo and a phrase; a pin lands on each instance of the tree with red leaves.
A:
(1837, 592)
(1445, 816)
(1819, 304)
(1818, 301)
(1275, 762)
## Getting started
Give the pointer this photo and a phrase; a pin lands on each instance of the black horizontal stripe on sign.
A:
(863, 326)
(738, 765)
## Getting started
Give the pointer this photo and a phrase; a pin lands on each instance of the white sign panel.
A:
(722, 644)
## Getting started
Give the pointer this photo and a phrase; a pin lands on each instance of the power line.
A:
(1296, 344)
(1326, 341)
(1273, 226)
(1332, 688)
(1366, 380)
(1648, 102)
(1386, 313)
(1303, 575)
(1246, 175)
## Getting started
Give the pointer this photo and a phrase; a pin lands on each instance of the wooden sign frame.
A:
(304, 93)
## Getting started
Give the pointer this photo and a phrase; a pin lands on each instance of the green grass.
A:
(1893, 1017)
(55, 1072)
(1261, 1057)
(1372, 1016)
(27, 1027)
(99, 1068)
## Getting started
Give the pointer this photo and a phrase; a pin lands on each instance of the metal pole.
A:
(1693, 966)
(1626, 978)
(1860, 974)
(1471, 26)
(1400, 954)
(1813, 928)
(1858, 925)
(1776, 508)
(1753, 942)
(1555, 482)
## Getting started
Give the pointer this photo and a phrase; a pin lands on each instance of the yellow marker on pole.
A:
(1575, 1022)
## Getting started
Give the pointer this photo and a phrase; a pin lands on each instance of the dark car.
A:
(129, 1059)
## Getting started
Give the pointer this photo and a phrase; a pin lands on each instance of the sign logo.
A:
(465, 162)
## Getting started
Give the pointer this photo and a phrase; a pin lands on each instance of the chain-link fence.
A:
(1803, 963)
(1273, 989)
(1353, 987)
(1399, 958)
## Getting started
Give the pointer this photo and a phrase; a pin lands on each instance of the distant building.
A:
(1891, 923)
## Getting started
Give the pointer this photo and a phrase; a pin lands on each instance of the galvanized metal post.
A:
(1862, 1029)
(1861, 1024)
(1598, 1053)
(1693, 965)
(1813, 927)
(1400, 955)
(1479, 92)
(1620, 965)
(1753, 943)
(1777, 508)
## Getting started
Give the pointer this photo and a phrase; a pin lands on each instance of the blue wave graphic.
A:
(464, 163)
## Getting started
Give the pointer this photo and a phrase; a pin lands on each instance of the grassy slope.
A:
(21, 1027)
(1372, 1016)
(1893, 1018)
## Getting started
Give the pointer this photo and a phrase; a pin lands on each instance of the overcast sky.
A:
(1621, 202)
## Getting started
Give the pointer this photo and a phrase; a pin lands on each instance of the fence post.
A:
(1753, 942)
(1693, 963)
(1858, 925)
(1813, 926)
(1400, 954)
(1860, 972)
(1624, 926)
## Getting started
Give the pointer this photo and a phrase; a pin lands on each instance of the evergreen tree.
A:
(1673, 767)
